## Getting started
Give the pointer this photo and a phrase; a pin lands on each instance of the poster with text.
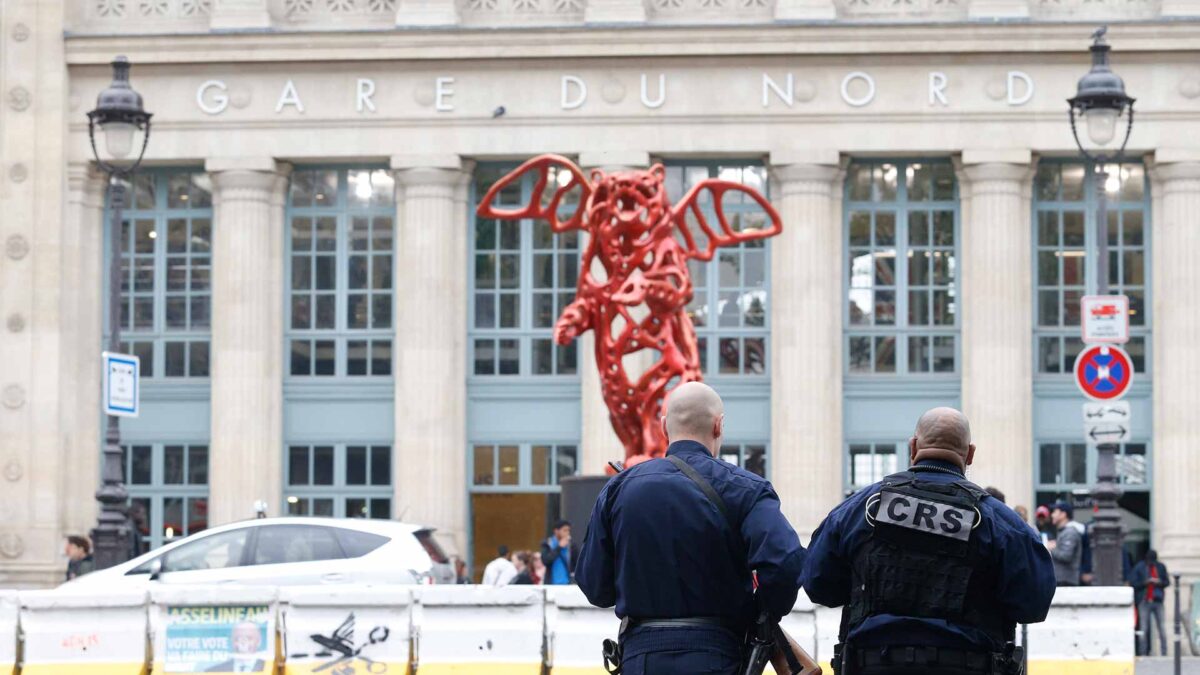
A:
(218, 640)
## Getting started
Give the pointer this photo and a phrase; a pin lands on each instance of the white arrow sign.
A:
(1107, 422)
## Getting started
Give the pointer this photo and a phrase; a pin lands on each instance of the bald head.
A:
(694, 413)
(944, 434)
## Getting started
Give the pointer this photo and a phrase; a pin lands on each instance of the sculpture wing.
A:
(550, 187)
(690, 219)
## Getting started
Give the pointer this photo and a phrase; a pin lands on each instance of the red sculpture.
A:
(643, 244)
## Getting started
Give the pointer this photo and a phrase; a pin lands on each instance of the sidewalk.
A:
(1165, 665)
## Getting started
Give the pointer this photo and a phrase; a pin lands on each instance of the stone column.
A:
(996, 293)
(806, 322)
(239, 15)
(431, 344)
(598, 442)
(1176, 360)
(246, 441)
(83, 302)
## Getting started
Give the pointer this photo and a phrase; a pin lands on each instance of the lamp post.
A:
(1102, 103)
(119, 114)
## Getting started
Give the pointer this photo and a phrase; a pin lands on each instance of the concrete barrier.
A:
(359, 629)
(467, 630)
(8, 632)
(575, 631)
(213, 629)
(1089, 630)
(89, 633)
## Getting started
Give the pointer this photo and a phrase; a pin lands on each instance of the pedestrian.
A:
(539, 569)
(501, 571)
(560, 555)
(79, 556)
(523, 560)
(1085, 554)
(1023, 512)
(1149, 579)
(139, 527)
(462, 576)
(1043, 525)
(933, 574)
(672, 541)
(1067, 546)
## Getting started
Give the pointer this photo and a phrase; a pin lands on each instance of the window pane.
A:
(173, 519)
(356, 507)
(860, 354)
(566, 462)
(540, 464)
(381, 465)
(356, 465)
(729, 356)
(198, 359)
(298, 465)
(197, 508)
(485, 473)
(885, 354)
(509, 467)
(918, 354)
(141, 465)
(197, 465)
(381, 509)
(217, 551)
(173, 464)
(323, 465)
(1050, 463)
(1076, 463)
(356, 357)
(510, 357)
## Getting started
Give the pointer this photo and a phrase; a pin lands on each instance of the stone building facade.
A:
(325, 326)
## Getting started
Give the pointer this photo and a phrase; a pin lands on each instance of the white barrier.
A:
(1089, 630)
(330, 629)
(575, 631)
(468, 630)
(8, 632)
(89, 633)
(213, 629)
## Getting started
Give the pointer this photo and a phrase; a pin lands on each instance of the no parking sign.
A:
(1103, 372)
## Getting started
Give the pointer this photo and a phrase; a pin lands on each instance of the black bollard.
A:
(1025, 648)
(1178, 627)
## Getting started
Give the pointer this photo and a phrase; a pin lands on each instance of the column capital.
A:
(428, 161)
(805, 179)
(245, 177)
(86, 183)
(1015, 156)
(429, 176)
(1176, 164)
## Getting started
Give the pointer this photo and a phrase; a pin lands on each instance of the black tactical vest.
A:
(922, 560)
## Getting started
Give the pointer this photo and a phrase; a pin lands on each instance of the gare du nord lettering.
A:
(858, 89)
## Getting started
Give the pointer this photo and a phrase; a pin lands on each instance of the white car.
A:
(287, 552)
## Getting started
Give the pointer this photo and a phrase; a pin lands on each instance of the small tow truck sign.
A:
(1105, 319)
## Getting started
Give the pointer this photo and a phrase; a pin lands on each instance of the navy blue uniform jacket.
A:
(1023, 591)
(655, 547)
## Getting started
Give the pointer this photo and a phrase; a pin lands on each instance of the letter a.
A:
(289, 96)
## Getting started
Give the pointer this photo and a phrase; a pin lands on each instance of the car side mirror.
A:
(156, 568)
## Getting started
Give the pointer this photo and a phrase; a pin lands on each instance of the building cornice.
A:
(630, 41)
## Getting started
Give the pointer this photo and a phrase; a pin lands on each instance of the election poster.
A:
(218, 640)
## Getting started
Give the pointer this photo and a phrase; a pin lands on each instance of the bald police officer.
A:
(933, 574)
(659, 549)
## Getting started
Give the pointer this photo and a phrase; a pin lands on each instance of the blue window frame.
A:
(521, 467)
(166, 266)
(901, 238)
(168, 484)
(869, 462)
(1065, 252)
(752, 457)
(1067, 470)
(730, 306)
(339, 268)
(342, 480)
(522, 277)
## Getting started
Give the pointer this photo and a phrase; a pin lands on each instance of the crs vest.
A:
(922, 560)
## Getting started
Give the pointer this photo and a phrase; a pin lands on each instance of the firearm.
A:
(768, 642)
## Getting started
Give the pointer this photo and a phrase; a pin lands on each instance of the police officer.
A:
(659, 549)
(933, 573)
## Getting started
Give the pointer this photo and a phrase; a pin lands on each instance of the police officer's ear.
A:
(912, 450)
(970, 454)
(662, 422)
(718, 423)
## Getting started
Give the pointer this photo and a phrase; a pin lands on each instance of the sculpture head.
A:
(628, 203)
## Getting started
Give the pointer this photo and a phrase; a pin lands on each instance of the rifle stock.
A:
(780, 663)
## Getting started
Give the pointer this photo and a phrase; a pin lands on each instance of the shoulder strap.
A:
(739, 556)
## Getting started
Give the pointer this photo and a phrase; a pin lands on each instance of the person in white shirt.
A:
(501, 571)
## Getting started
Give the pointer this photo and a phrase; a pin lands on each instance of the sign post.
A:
(1104, 372)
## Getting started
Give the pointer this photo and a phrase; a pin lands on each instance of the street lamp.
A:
(1102, 103)
(120, 115)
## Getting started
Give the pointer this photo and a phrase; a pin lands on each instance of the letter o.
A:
(220, 100)
(863, 100)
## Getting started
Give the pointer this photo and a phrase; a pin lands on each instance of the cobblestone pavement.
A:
(1159, 665)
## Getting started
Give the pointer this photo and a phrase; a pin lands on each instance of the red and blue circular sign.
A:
(1103, 372)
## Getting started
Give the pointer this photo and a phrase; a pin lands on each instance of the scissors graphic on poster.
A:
(342, 642)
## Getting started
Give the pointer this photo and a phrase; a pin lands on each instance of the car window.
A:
(295, 543)
(436, 554)
(213, 552)
(356, 543)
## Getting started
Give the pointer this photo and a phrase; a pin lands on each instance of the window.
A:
(1065, 253)
(1068, 471)
(168, 490)
(279, 544)
(752, 457)
(340, 246)
(166, 265)
(523, 276)
(870, 463)
(522, 465)
(341, 481)
(901, 310)
(217, 551)
(730, 303)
